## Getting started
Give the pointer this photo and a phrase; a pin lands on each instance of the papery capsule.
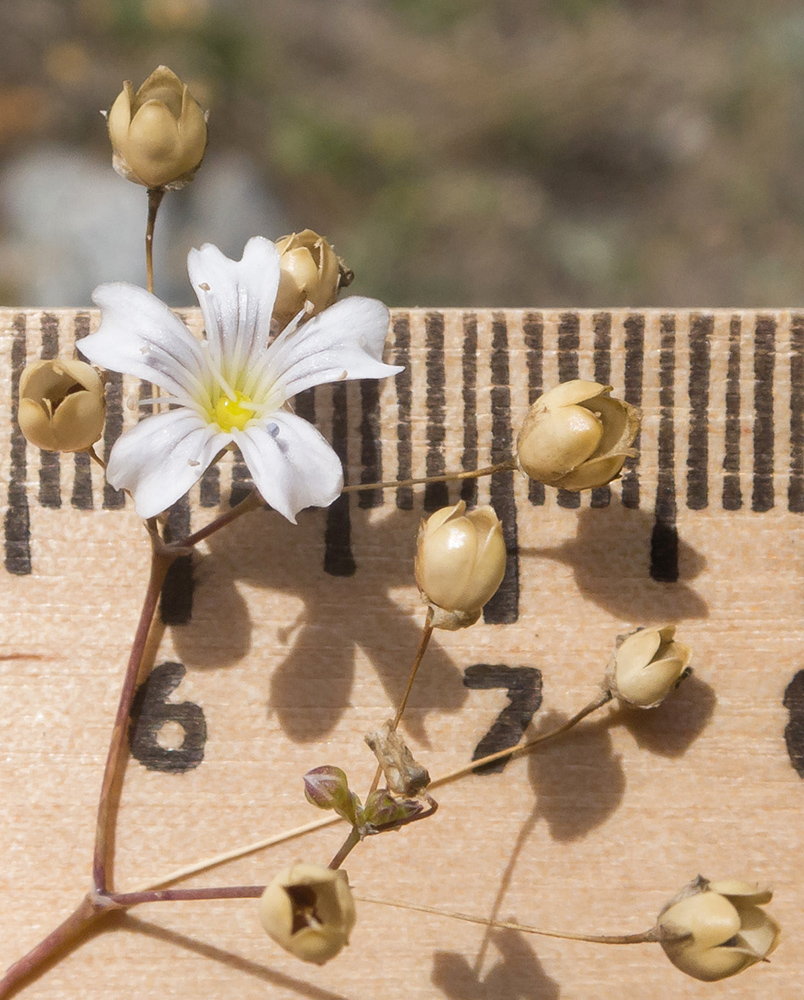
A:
(648, 665)
(460, 563)
(713, 930)
(159, 133)
(62, 405)
(576, 436)
(308, 910)
(310, 272)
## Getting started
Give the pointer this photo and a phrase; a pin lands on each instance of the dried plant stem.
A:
(155, 196)
(96, 457)
(643, 937)
(489, 470)
(161, 560)
(252, 502)
(238, 852)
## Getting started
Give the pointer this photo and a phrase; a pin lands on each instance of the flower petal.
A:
(140, 336)
(237, 298)
(162, 457)
(344, 342)
(292, 465)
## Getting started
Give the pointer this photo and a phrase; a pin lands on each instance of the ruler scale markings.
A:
(533, 328)
(435, 494)
(113, 499)
(601, 322)
(469, 458)
(795, 489)
(698, 449)
(664, 538)
(732, 491)
(503, 608)
(338, 558)
(569, 342)
(81, 498)
(404, 397)
(17, 525)
(634, 348)
(49, 461)
(370, 443)
(176, 599)
(762, 498)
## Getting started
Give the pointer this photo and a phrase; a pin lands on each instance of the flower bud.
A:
(576, 436)
(309, 911)
(62, 405)
(713, 930)
(460, 563)
(158, 134)
(310, 271)
(647, 666)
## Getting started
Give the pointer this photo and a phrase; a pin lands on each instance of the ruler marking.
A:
(664, 537)
(795, 489)
(762, 498)
(469, 457)
(176, 599)
(698, 449)
(404, 399)
(503, 608)
(82, 498)
(49, 461)
(634, 350)
(569, 342)
(732, 492)
(370, 443)
(338, 557)
(533, 328)
(601, 323)
(113, 499)
(435, 494)
(17, 524)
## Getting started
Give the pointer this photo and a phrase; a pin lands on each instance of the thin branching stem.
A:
(389, 484)
(155, 196)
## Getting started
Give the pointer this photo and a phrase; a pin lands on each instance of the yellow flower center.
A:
(230, 413)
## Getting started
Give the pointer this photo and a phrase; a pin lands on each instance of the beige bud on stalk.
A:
(647, 666)
(310, 272)
(308, 910)
(62, 405)
(713, 930)
(159, 134)
(460, 563)
(576, 436)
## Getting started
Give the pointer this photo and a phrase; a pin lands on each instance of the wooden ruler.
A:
(281, 646)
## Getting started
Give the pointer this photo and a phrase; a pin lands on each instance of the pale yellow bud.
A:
(648, 665)
(159, 134)
(310, 272)
(62, 405)
(460, 563)
(713, 930)
(576, 436)
(309, 911)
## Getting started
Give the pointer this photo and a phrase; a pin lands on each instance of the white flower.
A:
(234, 386)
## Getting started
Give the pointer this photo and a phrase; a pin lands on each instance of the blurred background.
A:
(456, 152)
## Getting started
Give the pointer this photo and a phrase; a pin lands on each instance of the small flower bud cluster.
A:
(62, 405)
(460, 563)
(576, 436)
(159, 134)
(647, 666)
(309, 911)
(713, 930)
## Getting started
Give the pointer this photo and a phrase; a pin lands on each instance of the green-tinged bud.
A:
(328, 788)
(576, 436)
(713, 930)
(159, 134)
(310, 275)
(309, 911)
(62, 405)
(460, 563)
(648, 665)
(385, 811)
